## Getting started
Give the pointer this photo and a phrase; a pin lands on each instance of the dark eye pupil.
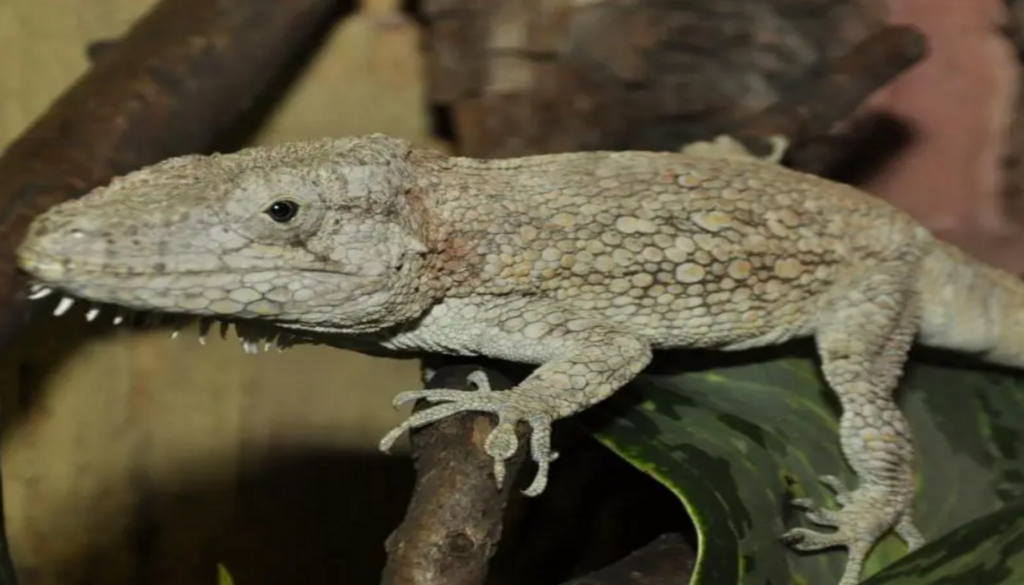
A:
(282, 211)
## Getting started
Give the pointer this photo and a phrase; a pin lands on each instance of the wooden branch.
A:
(667, 560)
(828, 96)
(454, 519)
(516, 78)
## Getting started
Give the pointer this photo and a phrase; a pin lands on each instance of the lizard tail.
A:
(969, 306)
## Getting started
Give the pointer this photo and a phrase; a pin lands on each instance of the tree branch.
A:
(829, 95)
(667, 560)
(454, 519)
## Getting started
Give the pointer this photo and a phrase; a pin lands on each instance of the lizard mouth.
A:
(254, 336)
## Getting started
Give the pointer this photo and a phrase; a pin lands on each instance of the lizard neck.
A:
(439, 201)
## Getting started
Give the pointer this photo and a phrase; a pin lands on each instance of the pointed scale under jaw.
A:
(239, 237)
(253, 337)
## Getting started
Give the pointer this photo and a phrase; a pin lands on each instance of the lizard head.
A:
(315, 236)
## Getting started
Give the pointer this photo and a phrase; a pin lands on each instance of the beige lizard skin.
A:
(579, 263)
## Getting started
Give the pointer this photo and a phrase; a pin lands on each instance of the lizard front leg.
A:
(582, 362)
(863, 338)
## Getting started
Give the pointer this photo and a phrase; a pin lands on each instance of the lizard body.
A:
(580, 263)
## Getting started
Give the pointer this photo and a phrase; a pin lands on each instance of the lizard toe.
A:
(422, 418)
(839, 487)
(434, 395)
(866, 514)
(807, 540)
(501, 444)
(822, 517)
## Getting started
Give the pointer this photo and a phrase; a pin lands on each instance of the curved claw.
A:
(477, 378)
(908, 531)
(816, 514)
(803, 503)
(843, 493)
(540, 480)
(403, 397)
(540, 449)
(823, 518)
(428, 395)
(806, 540)
(389, 439)
(835, 484)
(501, 445)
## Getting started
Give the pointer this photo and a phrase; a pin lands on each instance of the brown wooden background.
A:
(138, 459)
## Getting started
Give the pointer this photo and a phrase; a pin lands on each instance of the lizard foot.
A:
(502, 443)
(864, 516)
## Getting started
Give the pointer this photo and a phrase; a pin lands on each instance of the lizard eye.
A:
(282, 210)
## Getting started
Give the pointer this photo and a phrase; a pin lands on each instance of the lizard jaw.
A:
(254, 337)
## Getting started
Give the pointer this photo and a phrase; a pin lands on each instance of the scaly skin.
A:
(579, 263)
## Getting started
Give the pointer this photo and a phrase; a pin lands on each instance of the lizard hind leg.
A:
(863, 338)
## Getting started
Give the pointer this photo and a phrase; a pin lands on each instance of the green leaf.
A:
(223, 576)
(737, 443)
(986, 551)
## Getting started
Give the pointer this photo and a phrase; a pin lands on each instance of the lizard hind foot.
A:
(501, 444)
(865, 514)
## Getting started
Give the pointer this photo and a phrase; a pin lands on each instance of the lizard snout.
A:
(61, 235)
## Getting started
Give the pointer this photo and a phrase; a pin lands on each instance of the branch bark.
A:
(825, 98)
(519, 78)
(454, 520)
(667, 560)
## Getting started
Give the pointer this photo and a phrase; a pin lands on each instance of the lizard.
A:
(581, 264)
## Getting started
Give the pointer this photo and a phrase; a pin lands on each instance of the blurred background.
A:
(132, 458)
